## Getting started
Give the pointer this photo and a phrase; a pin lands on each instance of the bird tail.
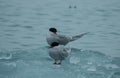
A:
(78, 36)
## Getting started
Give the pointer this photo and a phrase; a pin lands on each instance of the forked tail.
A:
(78, 36)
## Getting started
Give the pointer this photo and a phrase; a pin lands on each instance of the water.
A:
(24, 51)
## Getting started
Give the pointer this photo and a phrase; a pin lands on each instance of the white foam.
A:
(92, 68)
(74, 60)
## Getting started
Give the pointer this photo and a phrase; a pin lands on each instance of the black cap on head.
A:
(54, 44)
(53, 30)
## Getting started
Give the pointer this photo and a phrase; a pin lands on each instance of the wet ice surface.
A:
(23, 28)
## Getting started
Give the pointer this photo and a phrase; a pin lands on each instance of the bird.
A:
(53, 36)
(58, 52)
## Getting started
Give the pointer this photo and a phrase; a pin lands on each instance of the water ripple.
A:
(101, 10)
(42, 14)
(116, 10)
(15, 25)
(66, 20)
(26, 45)
(28, 27)
(68, 15)
(8, 30)
(115, 33)
(28, 37)
(5, 55)
(55, 19)
(14, 42)
(8, 34)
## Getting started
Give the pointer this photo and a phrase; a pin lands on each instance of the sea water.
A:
(25, 23)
